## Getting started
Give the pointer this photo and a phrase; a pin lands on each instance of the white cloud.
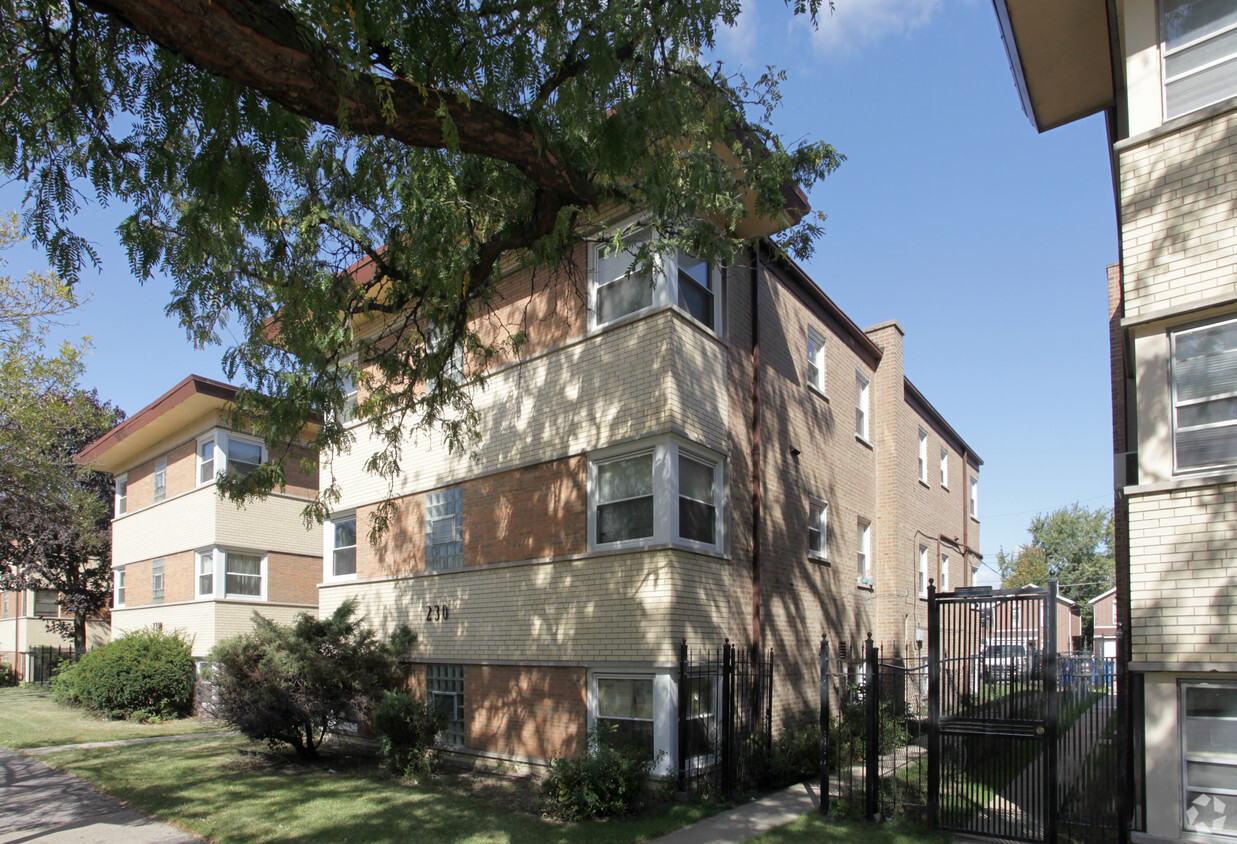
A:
(855, 24)
(738, 43)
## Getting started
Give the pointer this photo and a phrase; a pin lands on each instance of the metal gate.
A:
(1023, 742)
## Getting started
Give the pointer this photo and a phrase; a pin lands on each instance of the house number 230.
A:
(437, 612)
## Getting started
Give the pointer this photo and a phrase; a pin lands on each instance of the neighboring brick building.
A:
(23, 625)
(723, 454)
(182, 556)
(1104, 639)
(1164, 72)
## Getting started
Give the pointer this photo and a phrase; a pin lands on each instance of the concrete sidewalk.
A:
(751, 818)
(38, 803)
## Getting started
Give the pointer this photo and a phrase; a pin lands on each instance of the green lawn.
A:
(29, 718)
(227, 789)
(812, 829)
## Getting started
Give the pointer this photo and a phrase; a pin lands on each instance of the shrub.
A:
(146, 670)
(8, 675)
(599, 781)
(287, 684)
(792, 757)
(406, 726)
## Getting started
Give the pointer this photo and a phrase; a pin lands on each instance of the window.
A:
(243, 575)
(1200, 53)
(206, 460)
(161, 479)
(1209, 754)
(975, 498)
(865, 553)
(444, 530)
(623, 284)
(341, 552)
(119, 579)
(122, 494)
(945, 468)
(944, 572)
(4, 604)
(923, 571)
(206, 574)
(1204, 370)
(816, 359)
(45, 603)
(667, 492)
(349, 389)
(243, 455)
(625, 712)
(700, 719)
(156, 581)
(923, 456)
(861, 406)
(818, 528)
(445, 684)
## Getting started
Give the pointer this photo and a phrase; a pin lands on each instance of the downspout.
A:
(966, 521)
(756, 444)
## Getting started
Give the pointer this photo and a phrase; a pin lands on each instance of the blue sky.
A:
(987, 241)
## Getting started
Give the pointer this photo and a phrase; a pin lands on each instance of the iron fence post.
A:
(1125, 771)
(728, 760)
(934, 707)
(871, 731)
(682, 760)
(824, 724)
(1052, 805)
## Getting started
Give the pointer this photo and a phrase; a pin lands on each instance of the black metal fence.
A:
(873, 731)
(38, 664)
(725, 718)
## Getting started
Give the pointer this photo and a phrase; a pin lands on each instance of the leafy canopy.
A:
(264, 148)
(55, 517)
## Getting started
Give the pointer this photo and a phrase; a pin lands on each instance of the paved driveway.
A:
(38, 803)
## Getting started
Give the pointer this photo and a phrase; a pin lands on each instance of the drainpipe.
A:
(757, 273)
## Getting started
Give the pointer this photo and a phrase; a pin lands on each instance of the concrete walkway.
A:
(751, 818)
(38, 803)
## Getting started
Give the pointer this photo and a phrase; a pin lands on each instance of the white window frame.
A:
(821, 525)
(665, 282)
(666, 452)
(34, 603)
(218, 554)
(665, 712)
(1168, 53)
(454, 691)
(328, 546)
(160, 480)
(1178, 403)
(158, 575)
(945, 571)
(816, 369)
(864, 556)
(122, 494)
(974, 498)
(945, 468)
(449, 504)
(923, 457)
(118, 587)
(223, 439)
(923, 571)
(863, 406)
(200, 464)
(1212, 756)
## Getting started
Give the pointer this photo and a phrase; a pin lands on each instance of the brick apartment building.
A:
(183, 557)
(23, 625)
(719, 454)
(1164, 72)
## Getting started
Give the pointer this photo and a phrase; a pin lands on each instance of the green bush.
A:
(8, 675)
(599, 781)
(144, 670)
(792, 757)
(406, 726)
(289, 683)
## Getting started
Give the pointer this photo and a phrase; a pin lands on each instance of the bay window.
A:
(221, 451)
(242, 574)
(632, 278)
(662, 492)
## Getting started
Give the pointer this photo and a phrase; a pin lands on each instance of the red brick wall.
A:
(181, 476)
(178, 574)
(527, 513)
(292, 578)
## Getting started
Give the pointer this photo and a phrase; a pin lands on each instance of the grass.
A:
(226, 790)
(812, 828)
(29, 718)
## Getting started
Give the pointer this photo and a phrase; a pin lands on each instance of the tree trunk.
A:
(79, 633)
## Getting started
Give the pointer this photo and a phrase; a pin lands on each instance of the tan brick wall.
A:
(178, 573)
(1178, 232)
(274, 523)
(205, 623)
(181, 476)
(1184, 587)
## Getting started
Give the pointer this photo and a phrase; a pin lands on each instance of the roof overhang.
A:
(179, 407)
(1061, 56)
